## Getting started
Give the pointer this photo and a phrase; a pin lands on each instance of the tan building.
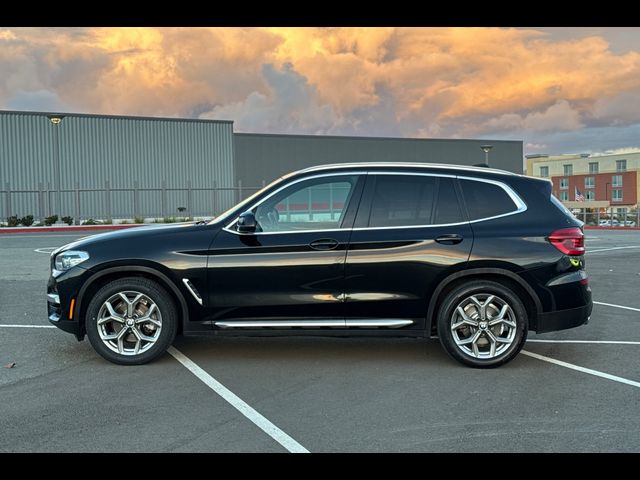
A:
(609, 183)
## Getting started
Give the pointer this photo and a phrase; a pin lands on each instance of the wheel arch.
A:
(112, 273)
(533, 307)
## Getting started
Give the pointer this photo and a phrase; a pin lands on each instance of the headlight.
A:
(66, 260)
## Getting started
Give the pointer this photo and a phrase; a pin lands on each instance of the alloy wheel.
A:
(483, 326)
(129, 323)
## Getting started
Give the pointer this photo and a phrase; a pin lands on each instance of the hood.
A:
(129, 233)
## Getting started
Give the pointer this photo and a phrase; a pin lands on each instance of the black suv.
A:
(474, 256)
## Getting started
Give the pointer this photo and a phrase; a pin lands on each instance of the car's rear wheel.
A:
(482, 324)
(131, 321)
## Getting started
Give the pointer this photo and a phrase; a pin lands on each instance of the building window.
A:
(593, 167)
(589, 182)
(544, 171)
(616, 180)
(621, 165)
(617, 196)
(564, 183)
(564, 196)
(568, 170)
(590, 195)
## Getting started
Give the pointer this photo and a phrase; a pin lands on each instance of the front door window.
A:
(316, 204)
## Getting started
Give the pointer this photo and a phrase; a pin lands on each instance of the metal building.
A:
(261, 157)
(103, 166)
(113, 166)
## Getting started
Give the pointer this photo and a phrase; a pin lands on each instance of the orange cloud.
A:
(410, 81)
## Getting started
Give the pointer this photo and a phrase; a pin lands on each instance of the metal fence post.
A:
(239, 191)
(136, 200)
(215, 195)
(76, 211)
(264, 183)
(164, 199)
(7, 187)
(49, 199)
(41, 214)
(107, 190)
(189, 213)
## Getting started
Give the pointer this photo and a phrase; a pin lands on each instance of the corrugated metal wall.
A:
(261, 157)
(91, 150)
(26, 158)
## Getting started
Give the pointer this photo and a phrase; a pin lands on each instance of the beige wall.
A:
(606, 163)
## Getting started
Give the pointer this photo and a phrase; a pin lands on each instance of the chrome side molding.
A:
(358, 323)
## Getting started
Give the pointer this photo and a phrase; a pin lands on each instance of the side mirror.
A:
(246, 223)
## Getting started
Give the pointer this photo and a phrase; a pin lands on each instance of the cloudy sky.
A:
(561, 90)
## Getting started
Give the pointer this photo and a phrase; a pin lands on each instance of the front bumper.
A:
(60, 293)
(563, 319)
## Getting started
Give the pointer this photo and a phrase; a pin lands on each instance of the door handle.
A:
(449, 239)
(324, 244)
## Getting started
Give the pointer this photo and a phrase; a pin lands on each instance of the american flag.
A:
(579, 196)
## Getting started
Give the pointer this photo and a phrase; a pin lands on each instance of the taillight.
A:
(569, 241)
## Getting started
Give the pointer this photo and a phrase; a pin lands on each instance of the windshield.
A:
(247, 200)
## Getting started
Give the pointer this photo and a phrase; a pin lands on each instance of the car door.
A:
(410, 230)
(293, 267)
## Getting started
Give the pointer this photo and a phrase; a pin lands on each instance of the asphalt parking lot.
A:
(569, 391)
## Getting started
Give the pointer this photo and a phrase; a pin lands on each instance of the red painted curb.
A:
(593, 227)
(70, 228)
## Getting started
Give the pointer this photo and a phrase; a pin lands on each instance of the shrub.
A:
(138, 220)
(48, 221)
(13, 221)
(91, 221)
(169, 219)
(27, 220)
(108, 222)
(68, 220)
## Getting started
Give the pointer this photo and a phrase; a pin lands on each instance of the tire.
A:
(136, 334)
(495, 339)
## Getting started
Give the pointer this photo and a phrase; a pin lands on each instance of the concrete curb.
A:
(69, 228)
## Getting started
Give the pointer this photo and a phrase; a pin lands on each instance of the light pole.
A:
(486, 149)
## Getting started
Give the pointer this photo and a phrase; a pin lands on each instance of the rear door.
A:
(409, 233)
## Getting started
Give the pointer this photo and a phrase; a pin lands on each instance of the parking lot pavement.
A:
(329, 394)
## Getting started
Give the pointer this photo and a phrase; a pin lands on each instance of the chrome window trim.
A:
(255, 205)
(520, 205)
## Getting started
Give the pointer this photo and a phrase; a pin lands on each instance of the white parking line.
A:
(603, 342)
(236, 402)
(612, 248)
(617, 306)
(49, 249)
(578, 368)
(27, 326)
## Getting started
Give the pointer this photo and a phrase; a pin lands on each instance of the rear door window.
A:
(447, 207)
(402, 200)
(406, 200)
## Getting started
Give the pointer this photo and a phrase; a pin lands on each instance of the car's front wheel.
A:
(131, 321)
(482, 324)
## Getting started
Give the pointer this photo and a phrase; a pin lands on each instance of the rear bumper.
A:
(563, 319)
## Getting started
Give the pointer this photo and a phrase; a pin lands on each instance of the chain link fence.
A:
(109, 203)
(608, 217)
